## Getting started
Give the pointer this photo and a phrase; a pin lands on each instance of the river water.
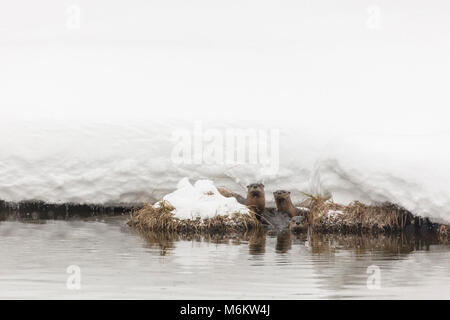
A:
(114, 262)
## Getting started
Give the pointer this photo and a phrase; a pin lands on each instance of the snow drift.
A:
(131, 162)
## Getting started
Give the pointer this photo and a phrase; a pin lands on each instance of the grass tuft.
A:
(160, 218)
(358, 217)
(444, 233)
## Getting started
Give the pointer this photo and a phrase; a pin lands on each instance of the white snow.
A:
(201, 200)
(88, 115)
(108, 162)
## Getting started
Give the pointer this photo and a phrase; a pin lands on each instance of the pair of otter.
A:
(256, 200)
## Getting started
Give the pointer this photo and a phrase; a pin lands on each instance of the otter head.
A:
(297, 223)
(282, 197)
(255, 190)
(297, 220)
(255, 197)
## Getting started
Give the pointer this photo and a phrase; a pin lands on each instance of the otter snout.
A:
(281, 192)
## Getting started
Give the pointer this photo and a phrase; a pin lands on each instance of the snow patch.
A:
(201, 200)
(334, 213)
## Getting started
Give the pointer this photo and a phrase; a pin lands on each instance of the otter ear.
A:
(262, 185)
(248, 186)
(289, 192)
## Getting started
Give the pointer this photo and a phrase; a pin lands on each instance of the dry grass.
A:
(357, 217)
(444, 233)
(151, 218)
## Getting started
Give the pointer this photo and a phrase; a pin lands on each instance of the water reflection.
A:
(284, 241)
(318, 243)
(257, 243)
(118, 262)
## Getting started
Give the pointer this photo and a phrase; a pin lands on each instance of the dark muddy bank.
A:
(39, 210)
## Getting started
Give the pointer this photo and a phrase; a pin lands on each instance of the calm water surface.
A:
(117, 263)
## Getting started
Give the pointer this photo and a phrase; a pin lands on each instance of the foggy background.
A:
(378, 66)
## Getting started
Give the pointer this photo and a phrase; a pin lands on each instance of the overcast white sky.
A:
(371, 65)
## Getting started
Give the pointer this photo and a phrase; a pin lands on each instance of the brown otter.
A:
(298, 223)
(284, 203)
(256, 199)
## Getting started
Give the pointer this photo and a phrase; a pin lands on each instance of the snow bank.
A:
(104, 162)
(201, 200)
(362, 114)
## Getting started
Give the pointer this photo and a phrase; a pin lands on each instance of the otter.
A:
(297, 224)
(284, 203)
(256, 199)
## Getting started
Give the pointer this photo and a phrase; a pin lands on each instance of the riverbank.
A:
(39, 210)
(322, 216)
